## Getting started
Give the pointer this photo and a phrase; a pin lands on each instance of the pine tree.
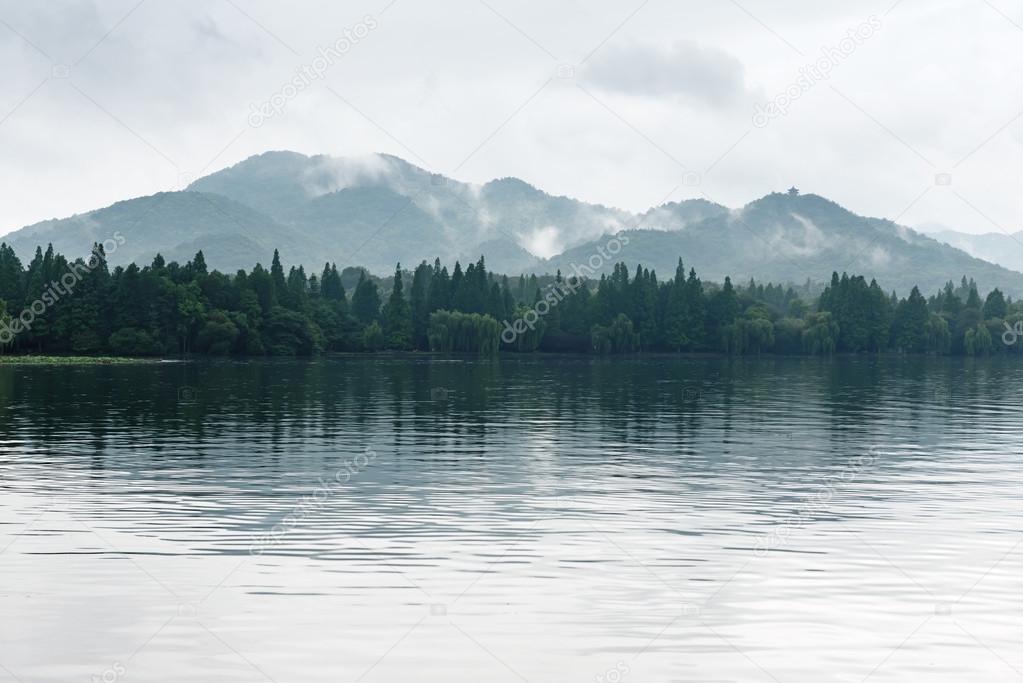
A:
(277, 277)
(419, 304)
(973, 299)
(910, 326)
(695, 307)
(879, 318)
(438, 294)
(994, 305)
(297, 289)
(951, 303)
(366, 300)
(262, 285)
(330, 284)
(398, 316)
(198, 265)
(507, 298)
(723, 308)
(676, 333)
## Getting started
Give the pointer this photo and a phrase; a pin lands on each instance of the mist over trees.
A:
(170, 308)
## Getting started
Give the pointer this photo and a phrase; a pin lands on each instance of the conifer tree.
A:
(398, 316)
(366, 300)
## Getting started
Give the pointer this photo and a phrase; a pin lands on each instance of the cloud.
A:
(332, 173)
(543, 242)
(789, 240)
(879, 257)
(704, 74)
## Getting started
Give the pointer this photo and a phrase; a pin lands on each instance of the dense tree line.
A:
(53, 305)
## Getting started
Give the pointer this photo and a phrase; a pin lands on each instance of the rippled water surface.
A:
(535, 519)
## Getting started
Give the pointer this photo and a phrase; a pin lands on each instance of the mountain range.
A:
(377, 210)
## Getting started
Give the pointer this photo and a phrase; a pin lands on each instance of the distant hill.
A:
(175, 224)
(377, 210)
(1005, 249)
(783, 238)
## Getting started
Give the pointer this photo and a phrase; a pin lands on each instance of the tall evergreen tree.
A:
(297, 288)
(994, 305)
(438, 296)
(676, 332)
(277, 276)
(366, 300)
(331, 286)
(398, 316)
(419, 304)
(909, 328)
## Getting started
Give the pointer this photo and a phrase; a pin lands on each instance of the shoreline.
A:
(52, 360)
(78, 360)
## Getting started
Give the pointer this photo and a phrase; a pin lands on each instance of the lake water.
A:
(539, 519)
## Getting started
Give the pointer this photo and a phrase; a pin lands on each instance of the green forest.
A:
(57, 306)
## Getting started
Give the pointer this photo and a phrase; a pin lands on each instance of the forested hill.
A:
(53, 305)
(791, 237)
(373, 211)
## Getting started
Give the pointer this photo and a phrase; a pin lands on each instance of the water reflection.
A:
(539, 518)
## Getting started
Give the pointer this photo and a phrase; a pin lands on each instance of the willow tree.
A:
(470, 332)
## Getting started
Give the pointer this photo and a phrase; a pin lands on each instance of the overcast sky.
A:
(628, 104)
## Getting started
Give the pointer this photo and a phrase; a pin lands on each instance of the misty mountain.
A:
(680, 215)
(785, 238)
(377, 210)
